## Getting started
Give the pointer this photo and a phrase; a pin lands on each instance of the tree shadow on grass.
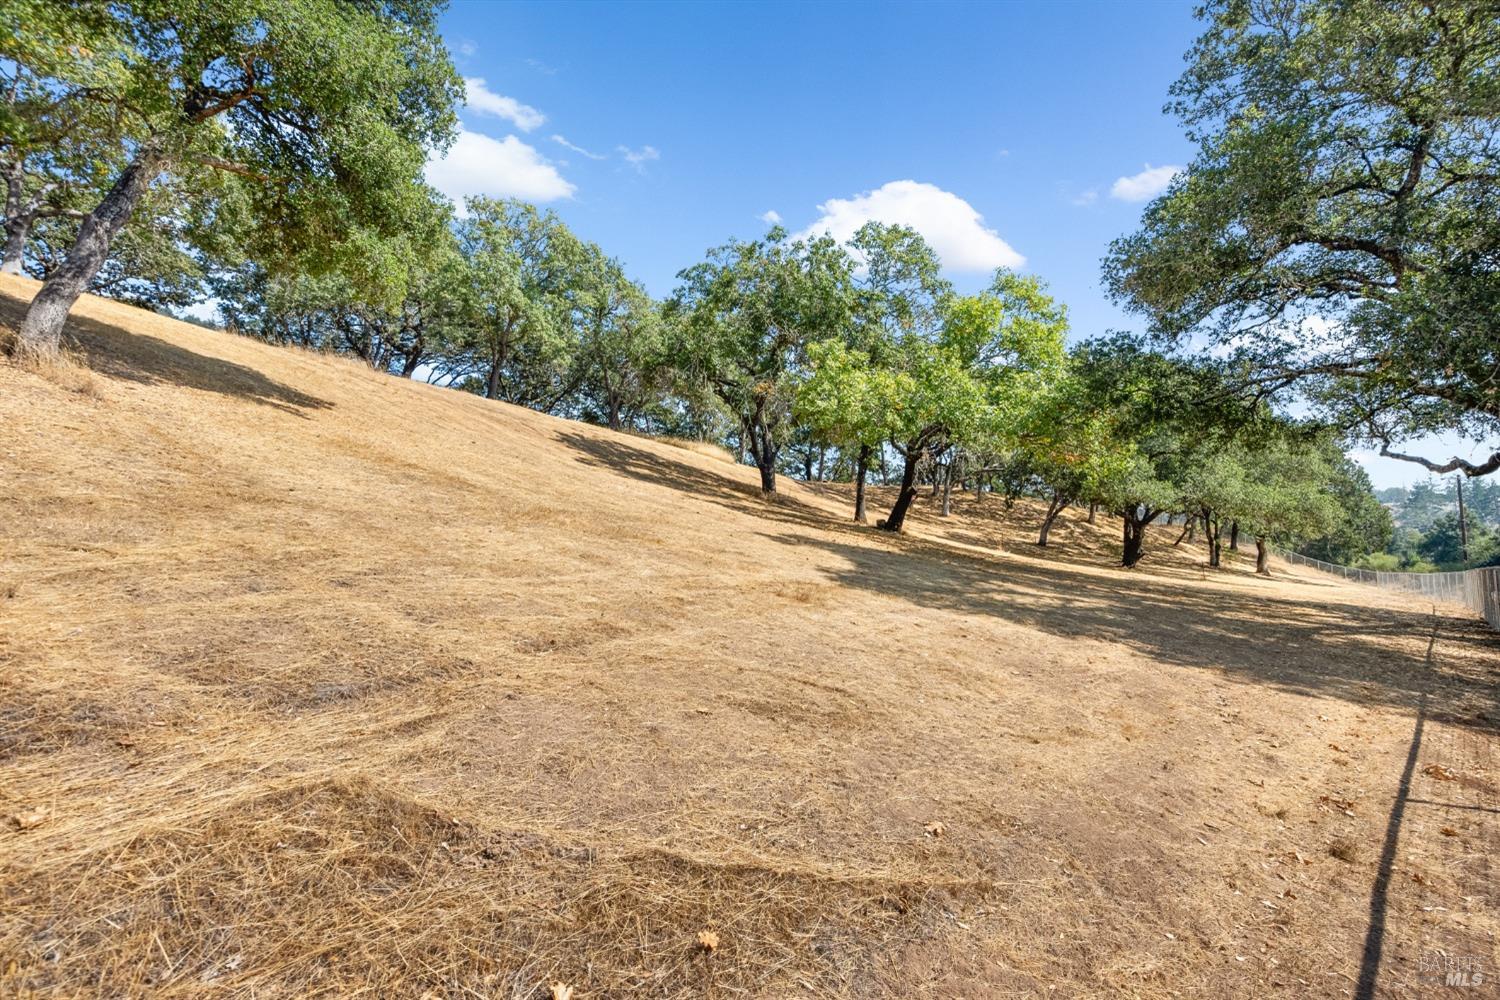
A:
(1329, 648)
(647, 466)
(117, 353)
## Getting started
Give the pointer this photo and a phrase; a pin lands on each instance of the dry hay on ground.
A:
(315, 682)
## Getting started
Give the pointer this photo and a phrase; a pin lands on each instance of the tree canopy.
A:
(1339, 228)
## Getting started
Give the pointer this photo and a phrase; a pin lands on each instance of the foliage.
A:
(1338, 227)
(326, 110)
(748, 316)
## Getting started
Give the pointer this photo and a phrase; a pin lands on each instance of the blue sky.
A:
(1020, 134)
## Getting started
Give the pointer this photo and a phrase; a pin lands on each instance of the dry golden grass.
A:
(314, 682)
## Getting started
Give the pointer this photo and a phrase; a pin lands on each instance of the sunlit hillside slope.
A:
(315, 682)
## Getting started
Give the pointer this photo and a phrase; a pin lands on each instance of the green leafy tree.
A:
(1069, 444)
(899, 293)
(326, 108)
(621, 360)
(972, 386)
(1363, 525)
(748, 316)
(1338, 226)
(335, 312)
(516, 340)
(1172, 416)
(1286, 498)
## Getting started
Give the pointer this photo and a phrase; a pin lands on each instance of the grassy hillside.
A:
(314, 681)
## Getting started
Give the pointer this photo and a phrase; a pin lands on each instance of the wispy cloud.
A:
(485, 101)
(542, 67)
(771, 217)
(564, 143)
(1086, 197)
(951, 225)
(1145, 185)
(638, 158)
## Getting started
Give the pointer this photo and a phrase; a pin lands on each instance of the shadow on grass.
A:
(136, 357)
(1332, 648)
(647, 466)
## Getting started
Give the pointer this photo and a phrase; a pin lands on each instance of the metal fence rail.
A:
(1477, 588)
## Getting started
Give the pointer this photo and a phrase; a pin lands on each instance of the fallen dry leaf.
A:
(1439, 772)
(935, 829)
(562, 991)
(1448, 831)
(1335, 746)
(30, 818)
(708, 941)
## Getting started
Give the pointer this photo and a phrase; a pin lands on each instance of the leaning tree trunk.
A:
(1262, 557)
(41, 330)
(861, 469)
(897, 517)
(1187, 526)
(1059, 502)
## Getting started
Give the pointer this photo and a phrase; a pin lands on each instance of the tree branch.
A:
(1454, 464)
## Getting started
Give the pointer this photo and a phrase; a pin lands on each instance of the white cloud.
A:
(467, 48)
(504, 168)
(485, 101)
(563, 142)
(638, 158)
(1087, 197)
(950, 224)
(1147, 184)
(771, 217)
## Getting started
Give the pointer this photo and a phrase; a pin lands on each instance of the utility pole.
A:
(1463, 522)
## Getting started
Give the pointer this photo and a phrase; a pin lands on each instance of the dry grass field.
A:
(314, 682)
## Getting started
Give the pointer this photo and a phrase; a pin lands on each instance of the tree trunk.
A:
(17, 221)
(861, 469)
(1059, 502)
(1262, 555)
(41, 330)
(1187, 526)
(897, 517)
(1211, 535)
(492, 382)
(17, 229)
(614, 414)
(948, 490)
(1234, 536)
(1134, 536)
(807, 466)
(1093, 509)
(764, 450)
(1137, 519)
